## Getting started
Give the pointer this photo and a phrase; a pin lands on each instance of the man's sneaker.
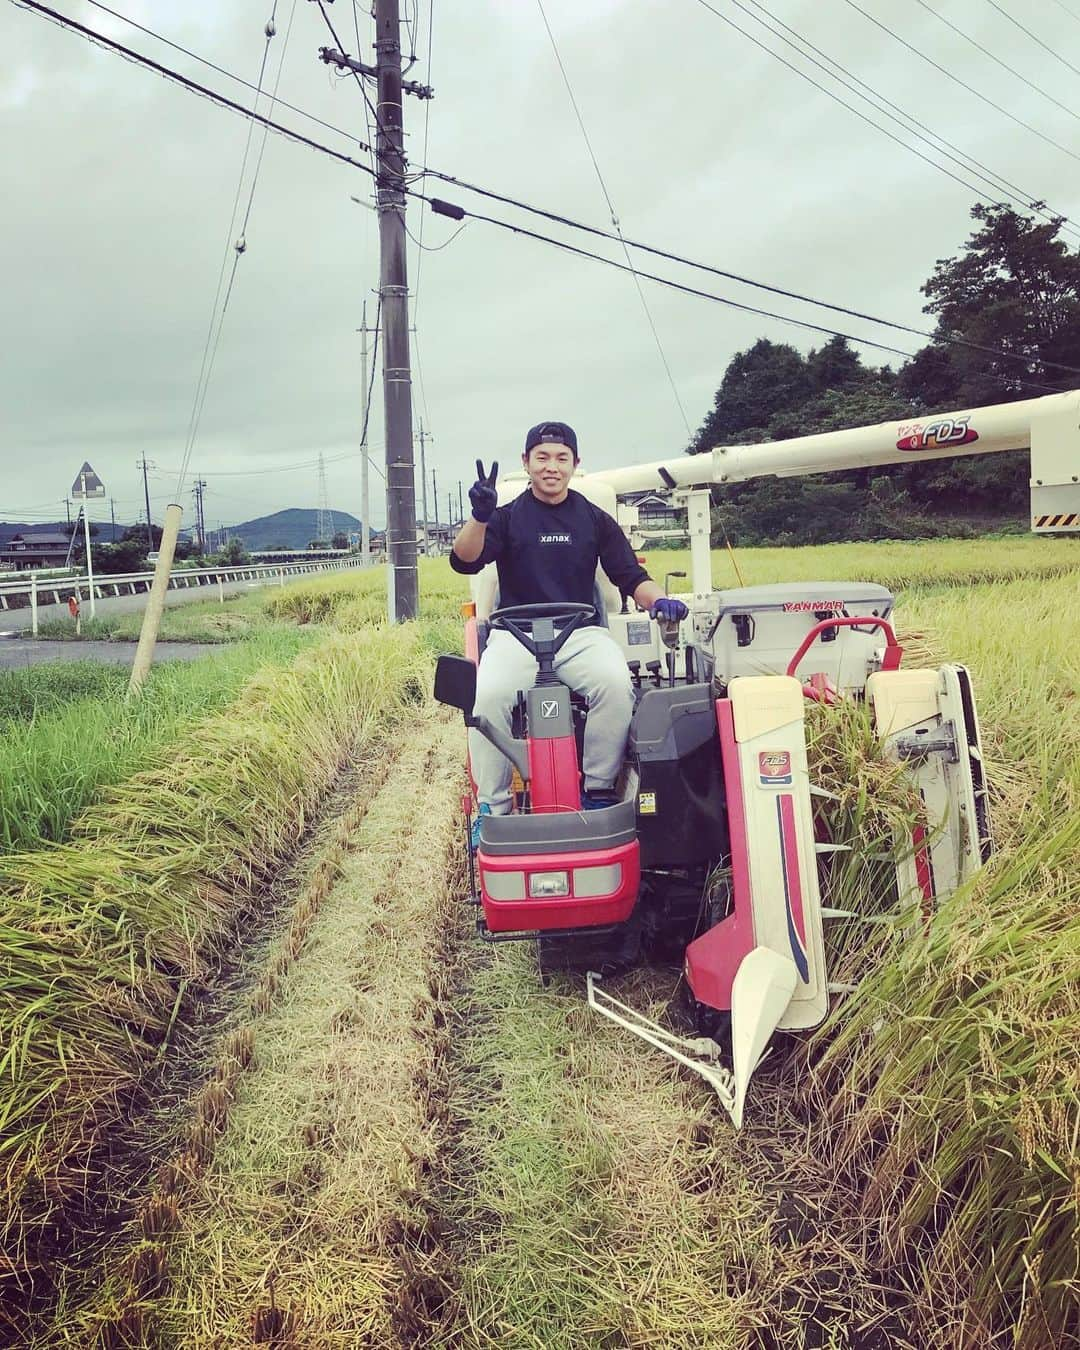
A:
(599, 798)
(482, 811)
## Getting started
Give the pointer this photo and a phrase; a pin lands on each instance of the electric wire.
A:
(967, 168)
(955, 79)
(1016, 74)
(737, 304)
(994, 180)
(836, 97)
(239, 244)
(614, 218)
(373, 108)
(945, 339)
(419, 241)
(1070, 12)
(298, 137)
(212, 95)
(221, 70)
(1033, 36)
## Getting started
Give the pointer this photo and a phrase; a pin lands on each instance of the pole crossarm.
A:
(332, 57)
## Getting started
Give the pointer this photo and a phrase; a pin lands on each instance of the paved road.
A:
(20, 652)
(19, 620)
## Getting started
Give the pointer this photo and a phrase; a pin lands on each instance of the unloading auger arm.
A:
(1049, 427)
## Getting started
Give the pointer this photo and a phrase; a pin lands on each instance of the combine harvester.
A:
(715, 781)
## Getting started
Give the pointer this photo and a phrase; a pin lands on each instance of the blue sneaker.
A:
(598, 799)
(482, 811)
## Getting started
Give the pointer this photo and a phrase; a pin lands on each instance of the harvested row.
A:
(313, 1226)
(102, 937)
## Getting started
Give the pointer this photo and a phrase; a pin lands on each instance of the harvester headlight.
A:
(547, 884)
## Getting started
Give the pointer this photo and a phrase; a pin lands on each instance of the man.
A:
(545, 546)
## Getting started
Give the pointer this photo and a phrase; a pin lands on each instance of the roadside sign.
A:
(87, 483)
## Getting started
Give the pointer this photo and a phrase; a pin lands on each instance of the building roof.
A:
(41, 538)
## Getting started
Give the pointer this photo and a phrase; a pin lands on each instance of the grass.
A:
(68, 731)
(101, 935)
(207, 620)
(31, 692)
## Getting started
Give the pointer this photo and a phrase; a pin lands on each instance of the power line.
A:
(991, 177)
(167, 73)
(1033, 36)
(355, 73)
(239, 245)
(736, 304)
(1071, 13)
(955, 79)
(419, 241)
(997, 59)
(221, 70)
(556, 218)
(941, 168)
(615, 219)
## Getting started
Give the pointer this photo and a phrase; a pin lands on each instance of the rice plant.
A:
(98, 934)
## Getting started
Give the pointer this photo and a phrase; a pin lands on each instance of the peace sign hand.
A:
(482, 494)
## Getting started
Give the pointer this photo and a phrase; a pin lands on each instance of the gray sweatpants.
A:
(590, 664)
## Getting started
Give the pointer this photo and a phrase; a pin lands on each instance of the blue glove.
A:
(482, 495)
(673, 611)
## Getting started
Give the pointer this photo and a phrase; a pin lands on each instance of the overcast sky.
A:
(118, 189)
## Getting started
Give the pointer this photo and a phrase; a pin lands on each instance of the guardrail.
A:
(31, 591)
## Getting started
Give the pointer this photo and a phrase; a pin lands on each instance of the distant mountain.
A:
(103, 530)
(294, 528)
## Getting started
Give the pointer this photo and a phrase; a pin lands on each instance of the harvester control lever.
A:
(653, 667)
(635, 672)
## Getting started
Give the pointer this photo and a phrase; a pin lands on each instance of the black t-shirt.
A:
(546, 554)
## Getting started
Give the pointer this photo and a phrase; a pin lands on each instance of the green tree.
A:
(232, 554)
(340, 540)
(1015, 288)
(766, 379)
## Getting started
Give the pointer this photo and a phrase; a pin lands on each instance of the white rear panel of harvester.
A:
(758, 629)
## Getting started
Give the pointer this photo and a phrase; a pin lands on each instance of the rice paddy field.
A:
(261, 1085)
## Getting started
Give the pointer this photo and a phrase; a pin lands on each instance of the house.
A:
(36, 548)
(655, 512)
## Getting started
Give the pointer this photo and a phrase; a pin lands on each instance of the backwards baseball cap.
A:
(557, 433)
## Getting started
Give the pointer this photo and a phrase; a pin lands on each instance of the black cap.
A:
(558, 433)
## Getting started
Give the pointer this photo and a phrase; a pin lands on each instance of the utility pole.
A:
(146, 492)
(394, 298)
(112, 513)
(67, 508)
(435, 502)
(394, 292)
(423, 436)
(365, 464)
(200, 523)
(460, 505)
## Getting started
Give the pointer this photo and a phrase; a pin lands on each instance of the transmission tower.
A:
(324, 528)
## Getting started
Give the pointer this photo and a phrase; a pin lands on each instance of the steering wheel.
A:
(571, 616)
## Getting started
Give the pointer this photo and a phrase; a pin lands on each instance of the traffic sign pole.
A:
(89, 555)
(88, 485)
